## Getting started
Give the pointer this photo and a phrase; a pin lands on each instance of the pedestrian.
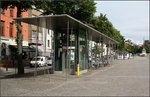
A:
(124, 56)
(7, 63)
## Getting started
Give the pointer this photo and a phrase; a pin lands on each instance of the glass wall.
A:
(83, 50)
(61, 50)
(77, 51)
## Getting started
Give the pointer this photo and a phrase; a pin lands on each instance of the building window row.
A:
(34, 35)
(2, 28)
(11, 30)
(11, 12)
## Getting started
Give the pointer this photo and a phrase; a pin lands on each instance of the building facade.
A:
(44, 37)
(9, 32)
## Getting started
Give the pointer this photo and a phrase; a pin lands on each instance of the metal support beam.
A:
(109, 47)
(100, 46)
(91, 45)
(67, 69)
(36, 53)
(87, 48)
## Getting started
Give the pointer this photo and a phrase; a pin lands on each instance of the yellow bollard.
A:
(78, 70)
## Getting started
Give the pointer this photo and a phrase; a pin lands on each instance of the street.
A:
(124, 78)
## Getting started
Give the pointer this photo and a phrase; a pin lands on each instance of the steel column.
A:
(67, 69)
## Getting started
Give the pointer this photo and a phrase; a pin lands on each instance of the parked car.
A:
(41, 61)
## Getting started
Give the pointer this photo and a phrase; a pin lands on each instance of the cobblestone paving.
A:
(125, 78)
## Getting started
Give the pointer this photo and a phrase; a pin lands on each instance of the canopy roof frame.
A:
(59, 22)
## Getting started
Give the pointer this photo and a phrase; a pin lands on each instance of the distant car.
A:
(41, 61)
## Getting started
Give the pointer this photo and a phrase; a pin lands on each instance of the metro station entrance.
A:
(71, 39)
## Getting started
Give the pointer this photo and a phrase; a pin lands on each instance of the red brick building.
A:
(7, 28)
(9, 32)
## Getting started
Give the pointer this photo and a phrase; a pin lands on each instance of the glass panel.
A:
(72, 61)
(72, 40)
(82, 50)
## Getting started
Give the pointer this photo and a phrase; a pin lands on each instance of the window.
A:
(48, 43)
(40, 36)
(2, 11)
(33, 34)
(11, 12)
(10, 30)
(2, 28)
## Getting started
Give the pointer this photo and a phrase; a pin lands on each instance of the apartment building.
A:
(9, 32)
(44, 37)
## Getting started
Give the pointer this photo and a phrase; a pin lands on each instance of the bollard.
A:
(78, 70)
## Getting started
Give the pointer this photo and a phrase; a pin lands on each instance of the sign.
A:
(34, 41)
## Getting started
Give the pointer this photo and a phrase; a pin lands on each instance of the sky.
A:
(131, 18)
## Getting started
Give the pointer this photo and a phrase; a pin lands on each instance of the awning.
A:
(59, 23)
(24, 48)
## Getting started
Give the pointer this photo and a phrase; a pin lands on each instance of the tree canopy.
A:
(81, 10)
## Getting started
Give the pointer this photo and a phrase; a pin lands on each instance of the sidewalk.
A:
(28, 84)
(12, 72)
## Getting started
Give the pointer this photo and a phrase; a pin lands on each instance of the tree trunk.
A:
(19, 45)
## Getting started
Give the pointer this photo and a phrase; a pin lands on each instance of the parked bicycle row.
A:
(97, 62)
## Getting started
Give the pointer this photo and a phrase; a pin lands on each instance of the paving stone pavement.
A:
(125, 78)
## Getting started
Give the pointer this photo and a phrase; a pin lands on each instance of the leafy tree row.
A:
(102, 24)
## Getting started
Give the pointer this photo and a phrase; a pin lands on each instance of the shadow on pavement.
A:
(25, 75)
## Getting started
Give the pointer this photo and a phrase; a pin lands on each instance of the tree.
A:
(81, 10)
(128, 48)
(147, 49)
(22, 6)
(103, 25)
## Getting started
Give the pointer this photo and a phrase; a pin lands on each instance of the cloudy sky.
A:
(131, 18)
